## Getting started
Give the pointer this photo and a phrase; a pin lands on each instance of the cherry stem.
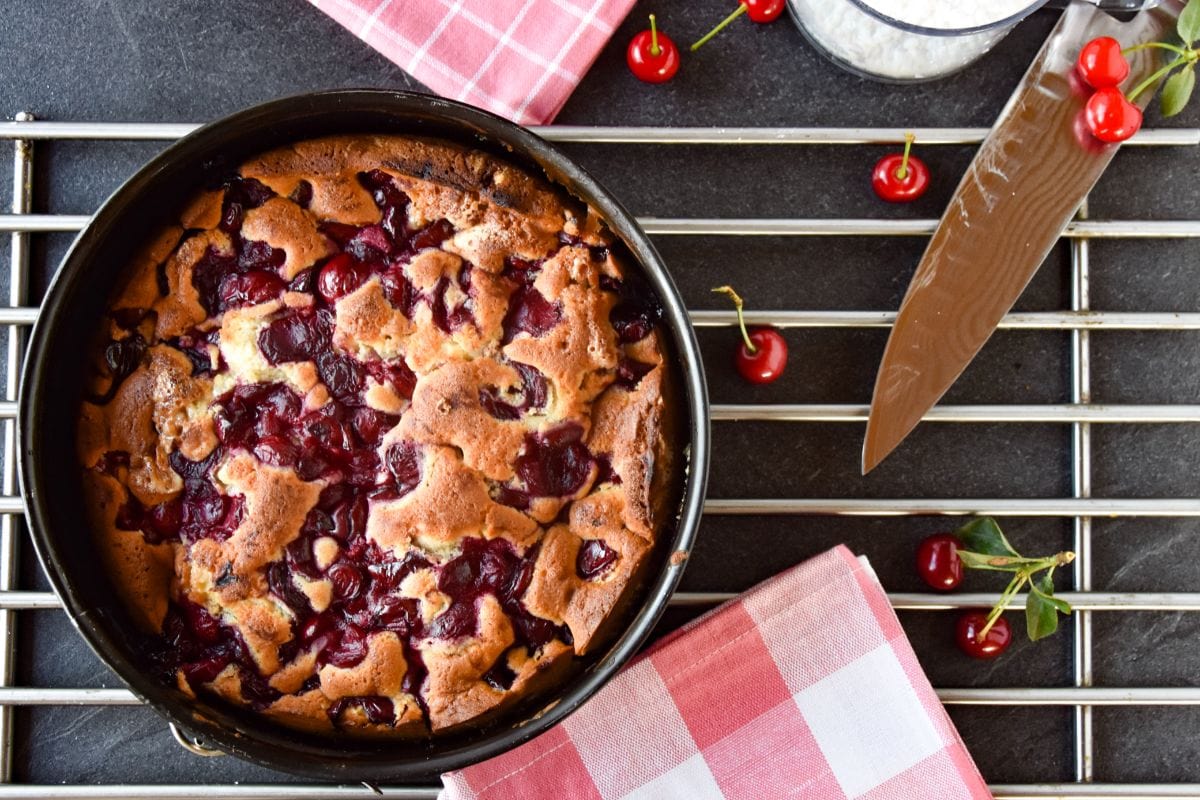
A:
(1162, 45)
(1010, 591)
(737, 304)
(741, 9)
(902, 171)
(1153, 79)
(1019, 579)
(654, 48)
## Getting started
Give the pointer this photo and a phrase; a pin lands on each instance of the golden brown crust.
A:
(383, 509)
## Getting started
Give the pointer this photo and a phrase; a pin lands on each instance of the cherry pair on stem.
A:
(654, 57)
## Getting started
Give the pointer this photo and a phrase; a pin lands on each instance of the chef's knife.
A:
(1025, 183)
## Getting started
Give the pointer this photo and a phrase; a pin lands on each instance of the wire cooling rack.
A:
(1080, 414)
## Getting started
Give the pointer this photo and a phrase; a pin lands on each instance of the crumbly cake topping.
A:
(376, 438)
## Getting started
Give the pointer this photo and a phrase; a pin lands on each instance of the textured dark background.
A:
(145, 60)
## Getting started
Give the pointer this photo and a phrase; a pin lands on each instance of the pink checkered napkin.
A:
(520, 59)
(804, 687)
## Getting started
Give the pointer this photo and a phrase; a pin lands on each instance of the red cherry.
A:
(938, 563)
(762, 355)
(900, 177)
(970, 624)
(761, 11)
(767, 361)
(652, 56)
(340, 276)
(1101, 63)
(1110, 117)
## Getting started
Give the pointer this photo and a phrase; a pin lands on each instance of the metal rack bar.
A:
(243, 791)
(613, 134)
(1081, 487)
(901, 601)
(1066, 412)
(1096, 229)
(1022, 320)
(22, 203)
(1007, 696)
(908, 506)
(1030, 320)
(997, 507)
(663, 226)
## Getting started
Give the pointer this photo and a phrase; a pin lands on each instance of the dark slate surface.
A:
(143, 60)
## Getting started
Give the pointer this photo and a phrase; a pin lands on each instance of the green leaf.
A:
(1188, 25)
(1042, 609)
(1046, 587)
(983, 535)
(1041, 618)
(1178, 90)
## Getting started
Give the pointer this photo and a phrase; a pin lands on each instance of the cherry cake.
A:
(377, 439)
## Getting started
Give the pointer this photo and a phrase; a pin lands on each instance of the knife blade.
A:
(1020, 191)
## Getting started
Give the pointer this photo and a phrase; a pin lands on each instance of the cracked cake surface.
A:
(376, 438)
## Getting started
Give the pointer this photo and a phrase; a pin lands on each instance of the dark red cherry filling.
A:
(451, 319)
(490, 566)
(391, 200)
(195, 345)
(597, 252)
(395, 373)
(555, 463)
(399, 291)
(403, 463)
(530, 312)
(302, 195)
(528, 309)
(630, 373)
(530, 397)
(202, 647)
(432, 236)
(377, 709)
(500, 677)
(249, 274)
(241, 195)
(595, 558)
(637, 310)
(300, 334)
(340, 276)
(205, 512)
(605, 472)
(122, 357)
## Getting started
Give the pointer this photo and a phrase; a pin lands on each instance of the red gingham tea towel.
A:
(520, 59)
(803, 687)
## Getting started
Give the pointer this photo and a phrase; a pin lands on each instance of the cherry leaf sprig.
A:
(984, 546)
(1181, 71)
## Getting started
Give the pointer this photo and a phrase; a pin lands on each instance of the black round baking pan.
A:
(52, 387)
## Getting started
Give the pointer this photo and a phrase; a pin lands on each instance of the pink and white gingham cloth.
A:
(520, 59)
(804, 687)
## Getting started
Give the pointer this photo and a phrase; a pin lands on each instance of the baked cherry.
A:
(761, 11)
(900, 177)
(652, 56)
(1110, 117)
(938, 563)
(975, 642)
(763, 353)
(340, 276)
(1101, 63)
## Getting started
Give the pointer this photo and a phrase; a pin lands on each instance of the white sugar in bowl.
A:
(907, 41)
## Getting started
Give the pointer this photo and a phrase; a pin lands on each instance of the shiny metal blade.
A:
(1021, 190)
